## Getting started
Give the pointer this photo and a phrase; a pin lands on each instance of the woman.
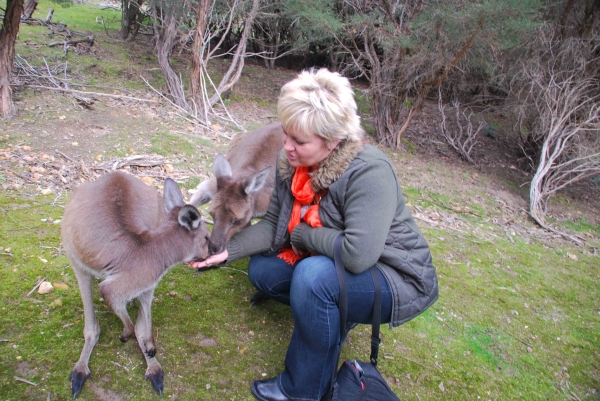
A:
(328, 183)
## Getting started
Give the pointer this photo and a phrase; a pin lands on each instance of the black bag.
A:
(357, 380)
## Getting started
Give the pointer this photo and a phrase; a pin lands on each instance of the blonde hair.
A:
(320, 102)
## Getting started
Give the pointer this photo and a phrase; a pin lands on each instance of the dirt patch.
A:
(104, 394)
(25, 369)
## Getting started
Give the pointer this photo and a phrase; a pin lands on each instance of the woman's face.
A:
(306, 149)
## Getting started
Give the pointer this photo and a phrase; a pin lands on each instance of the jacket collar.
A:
(330, 169)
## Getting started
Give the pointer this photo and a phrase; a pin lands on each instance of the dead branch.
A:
(461, 138)
(135, 160)
(91, 93)
(35, 287)
(48, 19)
(63, 155)
(20, 379)
(89, 39)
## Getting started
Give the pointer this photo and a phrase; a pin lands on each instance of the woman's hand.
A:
(212, 260)
(299, 252)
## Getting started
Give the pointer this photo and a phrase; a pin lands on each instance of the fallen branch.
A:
(135, 160)
(36, 286)
(63, 155)
(20, 379)
(90, 93)
(89, 40)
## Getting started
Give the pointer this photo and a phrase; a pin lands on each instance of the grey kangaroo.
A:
(121, 230)
(242, 185)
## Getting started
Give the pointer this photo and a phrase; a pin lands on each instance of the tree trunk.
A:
(198, 57)
(237, 64)
(8, 37)
(165, 40)
(29, 8)
(130, 10)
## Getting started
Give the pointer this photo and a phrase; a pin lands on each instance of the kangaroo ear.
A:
(205, 191)
(172, 195)
(221, 166)
(189, 217)
(257, 181)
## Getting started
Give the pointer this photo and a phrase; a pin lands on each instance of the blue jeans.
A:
(311, 288)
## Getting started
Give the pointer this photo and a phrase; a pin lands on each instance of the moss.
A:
(166, 144)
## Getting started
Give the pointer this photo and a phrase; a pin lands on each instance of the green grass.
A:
(513, 321)
(581, 225)
(166, 144)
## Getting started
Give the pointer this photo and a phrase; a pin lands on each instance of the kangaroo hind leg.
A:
(91, 330)
(145, 338)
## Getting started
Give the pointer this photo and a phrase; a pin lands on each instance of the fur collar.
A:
(330, 169)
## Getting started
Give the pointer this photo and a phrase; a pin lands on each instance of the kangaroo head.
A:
(233, 204)
(189, 219)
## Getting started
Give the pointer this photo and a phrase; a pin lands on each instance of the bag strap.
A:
(375, 340)
(341, 273)
(343, 299)
(343, 308)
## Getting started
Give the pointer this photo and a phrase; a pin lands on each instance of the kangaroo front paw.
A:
(77, 380)
(156, 378)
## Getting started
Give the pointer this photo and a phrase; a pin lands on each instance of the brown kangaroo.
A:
(242, 185)
(119, 229)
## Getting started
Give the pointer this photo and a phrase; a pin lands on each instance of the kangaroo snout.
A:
(215, 248)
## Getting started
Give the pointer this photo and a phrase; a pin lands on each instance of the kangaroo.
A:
(242, 184)
(119, 229)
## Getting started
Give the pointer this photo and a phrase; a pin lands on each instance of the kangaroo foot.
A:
(77, 380)
(156, 378)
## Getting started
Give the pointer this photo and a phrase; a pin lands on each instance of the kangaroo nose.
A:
(215, 248)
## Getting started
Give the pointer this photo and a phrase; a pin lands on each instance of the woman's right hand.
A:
(212, 260)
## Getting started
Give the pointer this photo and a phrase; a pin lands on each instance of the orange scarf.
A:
(304, 195)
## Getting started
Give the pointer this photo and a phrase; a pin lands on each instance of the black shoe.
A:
(268, 390)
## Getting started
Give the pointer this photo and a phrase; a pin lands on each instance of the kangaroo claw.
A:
(157, 382)
(77, 381)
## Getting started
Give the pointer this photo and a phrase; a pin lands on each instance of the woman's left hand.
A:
(299, 252)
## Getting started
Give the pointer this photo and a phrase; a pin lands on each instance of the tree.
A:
(131, 18)
(8, 37)
(167, 17)
(205, 92)
(556, 89)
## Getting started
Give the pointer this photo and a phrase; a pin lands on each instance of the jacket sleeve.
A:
(371, 202)
(258, 237)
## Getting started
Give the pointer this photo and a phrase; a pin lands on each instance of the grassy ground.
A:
(518, 315)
